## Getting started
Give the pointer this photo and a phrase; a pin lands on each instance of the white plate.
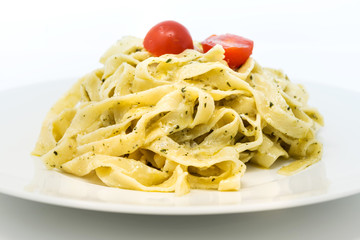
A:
(24, 176)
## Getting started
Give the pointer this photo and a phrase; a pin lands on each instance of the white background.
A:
(53, 40)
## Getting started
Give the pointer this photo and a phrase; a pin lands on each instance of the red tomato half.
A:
(168, 37)
(237, 49)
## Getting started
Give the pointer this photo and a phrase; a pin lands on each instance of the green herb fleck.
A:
(55, 153)
(271, 104)
(169, 60)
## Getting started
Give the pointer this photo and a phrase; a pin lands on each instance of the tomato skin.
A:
(237, 49)
(168, 37)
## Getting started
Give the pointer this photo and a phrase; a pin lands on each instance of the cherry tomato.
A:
(237, 49)
(168, 37)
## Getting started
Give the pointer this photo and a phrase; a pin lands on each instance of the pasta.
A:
(178, 122)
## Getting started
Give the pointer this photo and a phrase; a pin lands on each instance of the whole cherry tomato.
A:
(237, 49)
(168, 37)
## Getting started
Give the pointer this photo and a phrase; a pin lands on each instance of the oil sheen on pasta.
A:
(178, 122)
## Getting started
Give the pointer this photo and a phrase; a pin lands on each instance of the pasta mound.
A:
(178, 122)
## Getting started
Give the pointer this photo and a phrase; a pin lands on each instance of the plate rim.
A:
(177, 210)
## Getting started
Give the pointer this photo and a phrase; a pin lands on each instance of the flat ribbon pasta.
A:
(176, 122)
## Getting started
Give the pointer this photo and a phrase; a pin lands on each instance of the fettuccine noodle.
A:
(176, 122)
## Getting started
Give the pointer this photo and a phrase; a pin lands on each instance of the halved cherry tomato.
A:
(237, 49)
(168, 37)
